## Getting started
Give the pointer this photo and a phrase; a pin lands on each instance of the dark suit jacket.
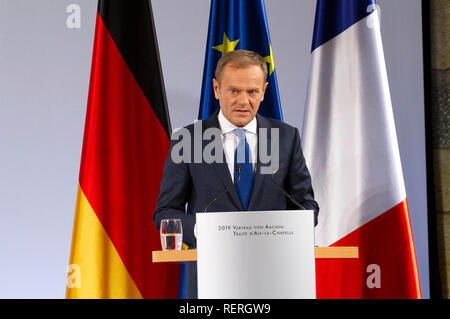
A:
(197, 184)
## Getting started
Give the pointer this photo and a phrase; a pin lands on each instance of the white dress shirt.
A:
(230, 141)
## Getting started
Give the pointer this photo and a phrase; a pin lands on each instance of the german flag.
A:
(126, 141)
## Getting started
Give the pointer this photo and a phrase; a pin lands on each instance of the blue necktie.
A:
(243, 157)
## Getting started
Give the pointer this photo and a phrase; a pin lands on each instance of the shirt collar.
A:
(227, 127)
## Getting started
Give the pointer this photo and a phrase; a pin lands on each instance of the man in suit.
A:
(239, 86)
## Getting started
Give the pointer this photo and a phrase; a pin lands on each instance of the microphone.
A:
(286, 193)
(238, 169)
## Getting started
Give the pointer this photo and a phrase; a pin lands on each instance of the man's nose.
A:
(244, 99)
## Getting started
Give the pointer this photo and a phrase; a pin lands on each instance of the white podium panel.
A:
(256, 255)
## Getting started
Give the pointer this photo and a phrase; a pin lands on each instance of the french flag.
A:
(350, 145)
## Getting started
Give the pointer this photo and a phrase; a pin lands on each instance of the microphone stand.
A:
(238, 168)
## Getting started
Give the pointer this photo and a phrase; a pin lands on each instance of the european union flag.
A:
(234, 25)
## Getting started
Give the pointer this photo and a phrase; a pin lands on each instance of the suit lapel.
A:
(221, 169)
(259, 179)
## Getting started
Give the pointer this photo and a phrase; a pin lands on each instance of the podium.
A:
(256, 255)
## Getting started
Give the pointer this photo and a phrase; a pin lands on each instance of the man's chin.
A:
(242, 120)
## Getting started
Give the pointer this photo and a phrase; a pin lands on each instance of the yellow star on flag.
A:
(269, 59)
(226, 46)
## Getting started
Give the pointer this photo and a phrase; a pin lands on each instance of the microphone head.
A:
(238, 168)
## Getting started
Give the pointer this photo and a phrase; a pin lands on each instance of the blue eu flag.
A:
(238, 25)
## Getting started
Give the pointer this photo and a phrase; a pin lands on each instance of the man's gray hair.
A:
(241, 59)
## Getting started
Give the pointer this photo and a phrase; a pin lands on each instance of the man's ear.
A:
(264, 90)
(216, 88)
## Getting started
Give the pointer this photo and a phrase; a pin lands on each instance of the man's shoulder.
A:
(191, 129)
(263, 122)
(210, 122)
(267, 122)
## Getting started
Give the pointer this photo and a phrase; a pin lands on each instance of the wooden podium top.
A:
(160, 256)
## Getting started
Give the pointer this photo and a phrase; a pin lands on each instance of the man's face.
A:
(240, 92)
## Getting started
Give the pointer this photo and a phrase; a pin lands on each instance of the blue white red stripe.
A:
(350, 145)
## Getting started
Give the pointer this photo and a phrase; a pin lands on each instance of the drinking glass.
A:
(171, 234)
